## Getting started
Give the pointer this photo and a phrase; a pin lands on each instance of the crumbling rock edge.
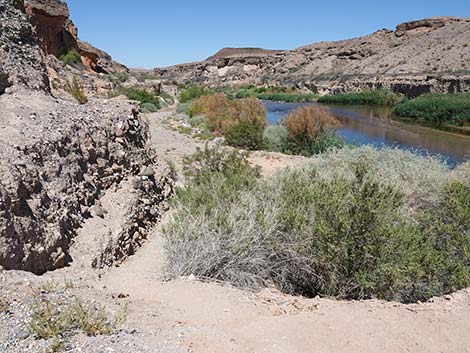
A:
(57, 160)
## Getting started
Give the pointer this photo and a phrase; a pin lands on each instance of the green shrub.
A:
(183, 108)
(374, 97)
(276, 93)
(344, 232)
(168, 98)
(140, 95)
(193, 92)
(75, 89)
(149, 108)
(276, 138)
(245, 135)
(58, 320)
(437, 108)
(118, 78)
(197, 121)
(319, 144)
(72, 57)
(233, 165)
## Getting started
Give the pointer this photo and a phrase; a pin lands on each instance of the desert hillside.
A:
(138, 215)
(415, 58)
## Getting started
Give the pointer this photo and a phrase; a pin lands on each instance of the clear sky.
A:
(145, 33)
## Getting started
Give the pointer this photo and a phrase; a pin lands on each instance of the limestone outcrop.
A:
(430, 55)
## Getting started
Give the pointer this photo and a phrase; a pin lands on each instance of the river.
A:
(374, 126)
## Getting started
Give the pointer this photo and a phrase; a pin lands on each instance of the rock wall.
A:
(430, 55)
(21, 61)
(58, 35)
(58, 158)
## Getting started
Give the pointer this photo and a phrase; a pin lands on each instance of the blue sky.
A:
(144, 33)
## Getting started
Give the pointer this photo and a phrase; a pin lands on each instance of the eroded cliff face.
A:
(58, 159)
(21, 61)
(430, 55)
(58, 35)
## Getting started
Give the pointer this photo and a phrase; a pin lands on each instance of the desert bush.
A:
(140, 95)
(75, 89)
(346, 232)
(197, 121)
(200, 167)
(306, 123)
(168, 98)
(72, 57)
(373, 97)
(276, 138)
(149, 108)
(193, 92)
(217, 110)
(183, 108)
(311, 130)
(246, 135)
(57, 320)
(222, 113)
(437, 108)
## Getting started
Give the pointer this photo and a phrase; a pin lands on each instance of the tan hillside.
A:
(418, 57)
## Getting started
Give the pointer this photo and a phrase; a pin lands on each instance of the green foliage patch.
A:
(373, 97)
(437, 108)
(345, 231)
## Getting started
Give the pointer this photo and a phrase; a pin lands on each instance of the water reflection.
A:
(373, 125)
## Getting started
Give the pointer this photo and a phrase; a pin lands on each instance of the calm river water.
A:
(374, 126)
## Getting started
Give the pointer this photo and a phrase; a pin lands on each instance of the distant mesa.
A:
(428, 55)
(226, 53)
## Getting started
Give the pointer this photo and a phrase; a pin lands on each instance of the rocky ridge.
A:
(429, 55)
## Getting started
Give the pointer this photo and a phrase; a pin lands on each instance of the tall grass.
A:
(276, 93)
(342, 226)
(437, 108)
(193, 92)
(140, 95)
(373, 97)
(74, 87)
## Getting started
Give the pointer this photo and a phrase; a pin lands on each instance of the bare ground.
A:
(188, 315)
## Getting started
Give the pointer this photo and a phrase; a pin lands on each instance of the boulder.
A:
(4, 83)
(53, 27)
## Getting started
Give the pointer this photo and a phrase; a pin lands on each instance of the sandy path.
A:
(190, 316)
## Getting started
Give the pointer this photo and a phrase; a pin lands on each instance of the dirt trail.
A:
(191, 316)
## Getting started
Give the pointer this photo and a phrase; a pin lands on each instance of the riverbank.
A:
(191, 315)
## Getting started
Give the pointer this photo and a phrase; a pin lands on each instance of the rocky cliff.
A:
(430, 55)
(58, 159)
(21, 61)
(58, 35)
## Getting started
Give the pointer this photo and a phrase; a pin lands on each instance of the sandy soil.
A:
(191, 316)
